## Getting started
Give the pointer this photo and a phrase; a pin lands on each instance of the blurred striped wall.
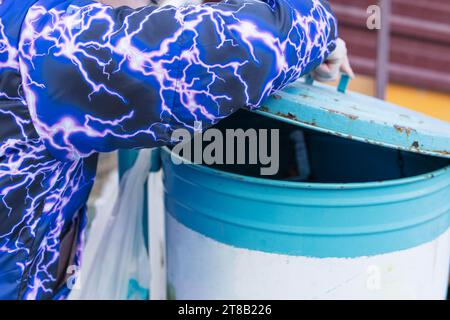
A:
(419, 68)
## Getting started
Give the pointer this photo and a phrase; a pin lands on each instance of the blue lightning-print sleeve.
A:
(97, 79)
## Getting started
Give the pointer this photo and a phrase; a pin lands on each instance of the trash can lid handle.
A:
(342, 86)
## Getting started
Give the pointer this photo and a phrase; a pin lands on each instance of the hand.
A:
(336, 62)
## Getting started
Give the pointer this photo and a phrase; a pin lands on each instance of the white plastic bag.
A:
(116, 261)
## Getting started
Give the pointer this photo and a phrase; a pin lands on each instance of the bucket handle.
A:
(342, 86)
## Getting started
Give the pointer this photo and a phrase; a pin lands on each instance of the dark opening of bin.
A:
(330, 159)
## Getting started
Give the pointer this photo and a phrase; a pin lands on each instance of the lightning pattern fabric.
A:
(78, 77)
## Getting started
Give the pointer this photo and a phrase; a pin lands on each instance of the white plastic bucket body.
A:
(203, 268)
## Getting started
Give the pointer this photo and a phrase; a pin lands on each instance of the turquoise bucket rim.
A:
(258, 214)
(312, 185)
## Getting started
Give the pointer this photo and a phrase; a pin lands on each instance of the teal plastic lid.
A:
(358, 117)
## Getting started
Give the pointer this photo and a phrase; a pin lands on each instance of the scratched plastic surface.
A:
(359, 117)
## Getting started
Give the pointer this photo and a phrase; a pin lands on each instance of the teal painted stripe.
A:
(317, 220)
(351, 246)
